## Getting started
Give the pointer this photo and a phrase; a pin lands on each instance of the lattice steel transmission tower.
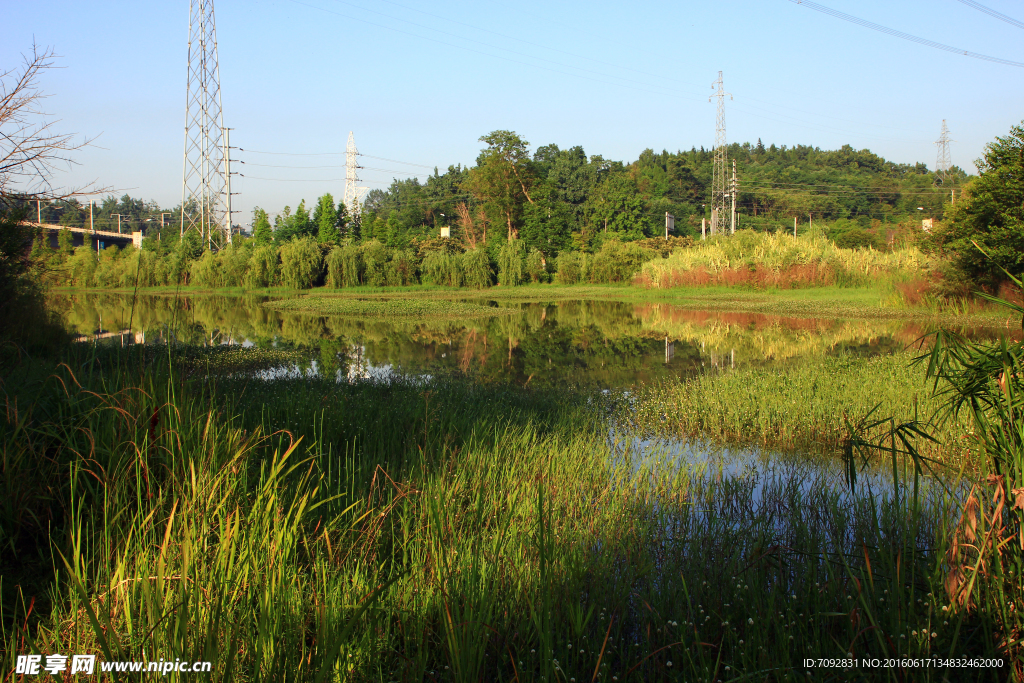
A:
(352, 167)
(718, 178)
(943, 164)
(204, 184)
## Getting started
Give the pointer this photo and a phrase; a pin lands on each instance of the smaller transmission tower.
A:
(718, 179)
(943, 164)
(352, 188)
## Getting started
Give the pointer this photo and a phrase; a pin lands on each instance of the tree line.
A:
(556, 199)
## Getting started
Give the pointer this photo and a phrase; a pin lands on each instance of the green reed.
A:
(412, 530)
(804, 404)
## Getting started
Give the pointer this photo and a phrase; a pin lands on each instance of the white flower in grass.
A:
(669, 664)
(750, 621)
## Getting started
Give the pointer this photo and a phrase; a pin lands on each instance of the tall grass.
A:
(781, 261)
(441, 531)
(803, 406)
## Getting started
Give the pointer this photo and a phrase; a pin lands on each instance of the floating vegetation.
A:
(420, 309)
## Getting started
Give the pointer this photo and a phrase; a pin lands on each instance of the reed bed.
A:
(803, 405)
(443, 531)
(764, 260)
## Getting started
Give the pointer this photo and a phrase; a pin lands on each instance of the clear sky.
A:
(420, 82)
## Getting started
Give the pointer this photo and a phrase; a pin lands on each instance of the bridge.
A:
(98, 239)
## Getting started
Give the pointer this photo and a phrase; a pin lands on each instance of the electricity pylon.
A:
(943, 164)
(718, 178)
(204, 182)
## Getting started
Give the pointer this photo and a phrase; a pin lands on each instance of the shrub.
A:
(263, 267)
(443, 268)
(234, 263)
(618, 262)
(344, 266)
(301, 262)
(205, 271)
(572, 267)
(402, 269)
(476, 268)
(108, 268)
(82, 266)
(855, 238)
(375, 263)
(536, 269)
(511, 263)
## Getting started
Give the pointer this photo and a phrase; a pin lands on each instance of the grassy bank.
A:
(305, 530)
(415, 309)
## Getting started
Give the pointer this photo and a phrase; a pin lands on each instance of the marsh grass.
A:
(803, 405)
(396, 531)
(762, 260)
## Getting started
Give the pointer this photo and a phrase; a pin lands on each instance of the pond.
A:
(591, 343)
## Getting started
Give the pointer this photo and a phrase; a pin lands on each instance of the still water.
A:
(595, 343)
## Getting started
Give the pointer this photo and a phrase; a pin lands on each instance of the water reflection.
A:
(591, 343)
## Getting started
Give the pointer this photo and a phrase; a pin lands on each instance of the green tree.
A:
(991, 214)
(343, 220)
(302, 224)
(262, 233)
(325, 217)
(503, 177)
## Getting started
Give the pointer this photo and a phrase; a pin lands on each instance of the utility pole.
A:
(943, 164)
(227, 178)
(119, 216)
(39, 212)
(718, 182)
(670, 222)
(92, 228)
(733, 194)
(703, 227)
(794, 226)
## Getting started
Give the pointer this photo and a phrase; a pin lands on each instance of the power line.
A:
(292, 154)
(900, 34)
(362, 168)
(497, 47)
(992, 13)
(327, 154)
(486, 54)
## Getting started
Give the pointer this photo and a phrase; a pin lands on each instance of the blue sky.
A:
(420, 82)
